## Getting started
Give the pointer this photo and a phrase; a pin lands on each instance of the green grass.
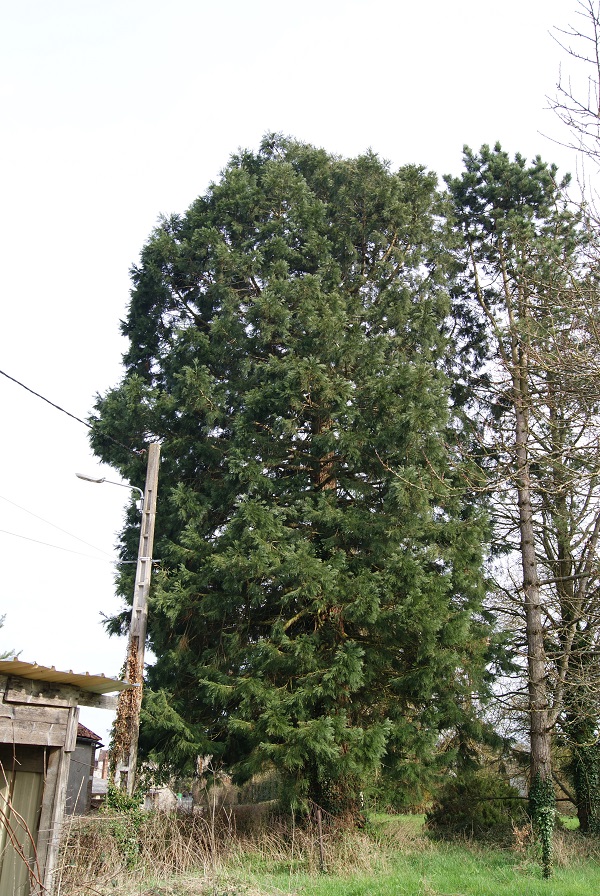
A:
(418, 867)
(441, 873)
(392, 824)
(569, 822)
(393, 856)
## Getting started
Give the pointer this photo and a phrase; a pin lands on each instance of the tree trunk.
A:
(323, 474)
(539, 729)
(586, 777)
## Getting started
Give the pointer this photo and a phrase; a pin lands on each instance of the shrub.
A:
(477, 804)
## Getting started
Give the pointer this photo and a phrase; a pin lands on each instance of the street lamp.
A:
(123, 754)
(111, 482)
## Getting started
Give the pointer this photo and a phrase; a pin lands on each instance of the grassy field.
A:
(398, 858)
(442, 872)
(392, 857)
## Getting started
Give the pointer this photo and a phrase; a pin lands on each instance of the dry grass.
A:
(218, 853)
(285, 847)
(101, 854)
(105, 854)
(571, 847)
(400, 832)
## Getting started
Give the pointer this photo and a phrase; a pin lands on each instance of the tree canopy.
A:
(317, 604)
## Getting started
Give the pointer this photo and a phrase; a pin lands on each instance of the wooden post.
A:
(321, 847)
(123, 760)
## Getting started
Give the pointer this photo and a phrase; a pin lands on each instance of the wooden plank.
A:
(45, 693)
(56, 822)
(45, 726)
(99, 701)
(17, 731)
(45, 829)
(71, 734)
(49, 715)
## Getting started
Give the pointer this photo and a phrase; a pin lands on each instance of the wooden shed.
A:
(39, 713)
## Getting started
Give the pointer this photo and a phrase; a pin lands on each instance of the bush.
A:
(125, 816)
(477, 804)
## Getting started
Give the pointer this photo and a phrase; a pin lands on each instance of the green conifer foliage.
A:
(320, 575)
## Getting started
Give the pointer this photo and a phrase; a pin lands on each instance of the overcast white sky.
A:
(115, 111)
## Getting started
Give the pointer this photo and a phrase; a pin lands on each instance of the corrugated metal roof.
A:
(95, 684)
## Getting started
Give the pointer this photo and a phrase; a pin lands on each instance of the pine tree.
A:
(527, 268)
(316, 606)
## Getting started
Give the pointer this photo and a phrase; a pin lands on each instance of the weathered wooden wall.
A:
(43, 718)
(38, 719)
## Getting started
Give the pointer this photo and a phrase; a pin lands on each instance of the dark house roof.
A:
(86, 734)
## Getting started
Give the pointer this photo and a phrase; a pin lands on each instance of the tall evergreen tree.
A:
(316, 606)
(527, 264)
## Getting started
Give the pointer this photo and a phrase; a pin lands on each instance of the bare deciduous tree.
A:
(531, 275)
(577, 97)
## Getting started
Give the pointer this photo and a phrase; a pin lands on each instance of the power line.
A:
(54, 526)
(47, 400)
(55, 546)
(68, 413)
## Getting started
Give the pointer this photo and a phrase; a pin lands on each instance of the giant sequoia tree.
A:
(320, 579)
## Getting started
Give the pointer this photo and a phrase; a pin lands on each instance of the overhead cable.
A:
(68, 413)
(54, 526)
(55, 546)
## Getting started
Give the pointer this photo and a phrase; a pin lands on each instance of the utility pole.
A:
(123, 758)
